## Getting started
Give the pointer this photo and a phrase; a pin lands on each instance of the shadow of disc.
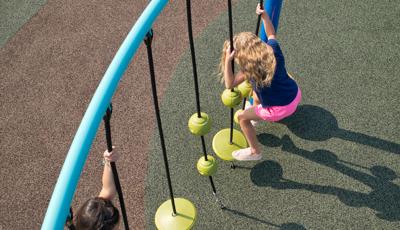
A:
(266, 173)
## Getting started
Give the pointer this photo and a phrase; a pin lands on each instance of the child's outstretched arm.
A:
(231, 81)
(108, 191)
(269, 28)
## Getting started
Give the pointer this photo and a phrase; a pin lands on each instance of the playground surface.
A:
(335, 164)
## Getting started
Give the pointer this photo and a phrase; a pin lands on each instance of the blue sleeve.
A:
(277, 49)
(275, 45)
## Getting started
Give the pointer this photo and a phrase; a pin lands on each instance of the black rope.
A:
(195, 79)
(212, 185)
(231, 128)
(244, 103)
(196, 85)
(232, 63)
(259, 18)
(107, 118)
(257, 30)
(148, 40)
(203, 144)
(231, 30)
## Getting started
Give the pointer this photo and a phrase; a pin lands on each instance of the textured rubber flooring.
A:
(14, 14)
(335, 164)
(49, 71)
(339, 155)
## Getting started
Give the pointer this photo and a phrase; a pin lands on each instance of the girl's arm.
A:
(231, 81)
(108, 190)
(269, 28)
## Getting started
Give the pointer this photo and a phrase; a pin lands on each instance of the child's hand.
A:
(229, 55)
(259, 11)
(111, 156)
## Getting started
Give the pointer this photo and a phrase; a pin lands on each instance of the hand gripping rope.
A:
(231, 98)
(107, 118)
(228, 140)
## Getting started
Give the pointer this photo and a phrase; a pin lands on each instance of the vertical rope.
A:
(107, 118)
(203, 144)
(232, 63)
(257, 30)
(244, 103)
(231, 30)
(196, 84)
(195, 78)
(148, 41)
(259, 18)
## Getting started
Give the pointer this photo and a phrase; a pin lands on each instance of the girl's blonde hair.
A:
(256, 60)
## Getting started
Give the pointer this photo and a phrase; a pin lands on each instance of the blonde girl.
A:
(276, 95)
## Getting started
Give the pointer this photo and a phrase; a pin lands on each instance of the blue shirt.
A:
(282, 89)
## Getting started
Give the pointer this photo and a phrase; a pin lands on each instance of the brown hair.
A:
(255, 58)
(96, 214)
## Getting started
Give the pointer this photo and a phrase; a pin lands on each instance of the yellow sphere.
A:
(236, 117)
(207, 168)
(199, 126)
(245, 88)
(231, 98)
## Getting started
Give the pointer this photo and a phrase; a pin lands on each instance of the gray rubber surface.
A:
(335, 164)
(14, 14)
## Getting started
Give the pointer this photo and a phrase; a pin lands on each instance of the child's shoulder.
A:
(275, 46)
(273, 42)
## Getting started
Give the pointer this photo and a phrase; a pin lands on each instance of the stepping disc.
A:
(223, 148)
(184, 219)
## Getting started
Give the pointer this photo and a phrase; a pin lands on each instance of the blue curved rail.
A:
(64, 190)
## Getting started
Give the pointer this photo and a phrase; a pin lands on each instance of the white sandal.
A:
(246, 155)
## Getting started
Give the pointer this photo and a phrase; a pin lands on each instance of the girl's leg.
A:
(256, 102)
(244, 119)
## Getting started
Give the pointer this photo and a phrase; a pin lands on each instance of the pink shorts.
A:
(276, 113)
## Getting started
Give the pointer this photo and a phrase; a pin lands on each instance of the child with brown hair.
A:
(99, 213)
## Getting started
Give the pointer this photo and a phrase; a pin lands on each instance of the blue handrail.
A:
(64, 190)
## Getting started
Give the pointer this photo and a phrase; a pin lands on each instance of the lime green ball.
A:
(245, 88)
(199, 126)
(207, 168)
(236, 118)
(231, 99)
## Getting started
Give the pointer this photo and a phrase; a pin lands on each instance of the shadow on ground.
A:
(285, 226)
(317, 124)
